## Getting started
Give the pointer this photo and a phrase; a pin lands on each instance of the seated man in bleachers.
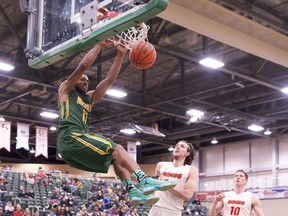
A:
(93, 188)
(66, 186)
(48, 204)
(22, 192)
(30, 193)
(56, 194)
(99, 195)
(3, 190)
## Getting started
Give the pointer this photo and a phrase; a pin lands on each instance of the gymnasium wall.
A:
(258, 157)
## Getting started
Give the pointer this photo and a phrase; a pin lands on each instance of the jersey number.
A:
(235, 210)
(84, 116)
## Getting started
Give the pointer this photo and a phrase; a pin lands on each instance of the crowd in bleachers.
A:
(43, 193)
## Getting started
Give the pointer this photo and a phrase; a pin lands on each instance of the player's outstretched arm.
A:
(217, 205)
(83, 66)
(189, 187)
(111, 77)
(257, 206)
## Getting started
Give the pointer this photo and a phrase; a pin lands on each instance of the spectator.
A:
(50, 181)
(48, 205)
(113, 211)
(121, 195)
(66, 187)
(36, 213)
(99, 195)
(31, 193)
(96, 212)
(92, 206)
(3, 190)
(122, 210)
(56, 194)
(1, 211)
(93, 188)
(67, 211)
(22, 192)
(84, 211)
(57, 184)
(109, 189)
(197, 209)
(24, 177)
(9, 208)
(53, 210)
(30, 179)
(27, 212)
(59, 211)
(18, 211)
(135, 212)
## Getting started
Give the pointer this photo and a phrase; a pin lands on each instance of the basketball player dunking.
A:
(179, 170)
(85, 150)
(238, 202)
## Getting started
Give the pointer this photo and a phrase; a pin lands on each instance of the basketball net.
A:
(126, 38)
(131, 36)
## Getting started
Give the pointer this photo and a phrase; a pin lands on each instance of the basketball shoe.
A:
(150, 185)
(136, 197)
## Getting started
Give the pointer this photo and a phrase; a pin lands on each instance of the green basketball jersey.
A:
(75, 113)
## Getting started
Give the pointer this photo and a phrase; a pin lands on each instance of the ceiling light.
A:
(128, 131)
(214, 141)
(254, 127)
(32, 151)
(285, 90)
(49, 115)
(195, 112)
(6, 67)
(53, 128)
(267, 132)
(138, 143)
(211, 63)
(2, 119)
(116, 93)
(171, 149)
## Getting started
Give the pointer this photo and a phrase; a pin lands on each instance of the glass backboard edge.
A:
(127, 21)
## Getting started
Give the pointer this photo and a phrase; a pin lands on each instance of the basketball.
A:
(142, 55)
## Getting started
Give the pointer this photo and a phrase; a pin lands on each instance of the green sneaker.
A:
(136, 198)
(150, 185)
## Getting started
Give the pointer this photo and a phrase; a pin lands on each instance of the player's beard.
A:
(80, 90)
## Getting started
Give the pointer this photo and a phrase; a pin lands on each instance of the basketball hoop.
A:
(132, 36)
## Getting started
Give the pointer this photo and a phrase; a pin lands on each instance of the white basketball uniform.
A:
(237, 204)
(169, 203)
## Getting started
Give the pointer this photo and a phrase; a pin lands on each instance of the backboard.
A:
(60, 28)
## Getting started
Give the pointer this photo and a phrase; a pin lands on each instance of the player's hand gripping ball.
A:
(142, 55)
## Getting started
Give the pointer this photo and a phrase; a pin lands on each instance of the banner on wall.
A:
(41, 141)
(5, 135)
(132, 150)
(22, 136)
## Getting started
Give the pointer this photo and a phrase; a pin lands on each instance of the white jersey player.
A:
(178, 170)
(238, 202)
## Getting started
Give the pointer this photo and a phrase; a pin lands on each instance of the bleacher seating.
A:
(81, 194)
